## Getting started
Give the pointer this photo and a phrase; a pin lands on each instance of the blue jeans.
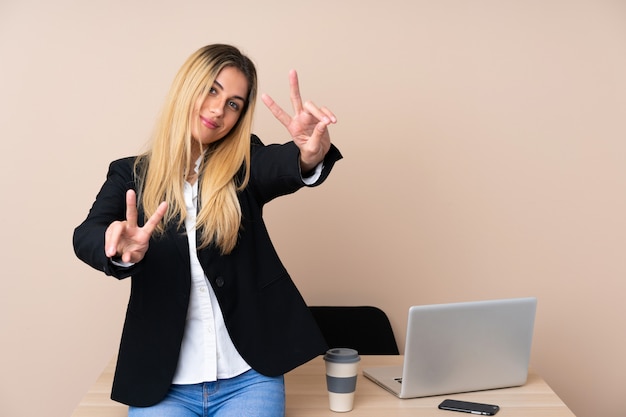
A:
(249, 394)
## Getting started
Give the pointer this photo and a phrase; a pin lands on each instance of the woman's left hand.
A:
(308, 127)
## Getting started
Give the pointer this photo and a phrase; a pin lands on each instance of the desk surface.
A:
(307, 396)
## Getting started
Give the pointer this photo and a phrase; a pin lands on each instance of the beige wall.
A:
(484, 150)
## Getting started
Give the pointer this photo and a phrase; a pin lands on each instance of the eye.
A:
(212, 91)
(234, 105)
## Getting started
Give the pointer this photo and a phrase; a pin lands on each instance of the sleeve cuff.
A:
(315, 176)
(117, 261)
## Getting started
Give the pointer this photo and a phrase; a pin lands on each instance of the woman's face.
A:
(214, 116)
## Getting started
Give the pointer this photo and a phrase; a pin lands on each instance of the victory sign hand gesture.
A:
(125, 238)
(308, 126)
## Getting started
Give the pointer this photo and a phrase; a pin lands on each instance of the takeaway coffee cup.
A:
(342, 365)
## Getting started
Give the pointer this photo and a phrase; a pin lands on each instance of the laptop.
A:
(462, 347)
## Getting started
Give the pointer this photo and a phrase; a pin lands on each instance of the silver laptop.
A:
(461, 347)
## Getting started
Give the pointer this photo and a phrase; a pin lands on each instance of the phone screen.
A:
(469, 407)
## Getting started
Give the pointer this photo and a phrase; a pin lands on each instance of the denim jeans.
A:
(249, 394)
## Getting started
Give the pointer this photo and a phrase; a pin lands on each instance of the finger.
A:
(294, 86)
(320, 113)
(317, 136)
(111, 238)
(276, 110)
(131, 208)
(127, 257)
(155, 219)
(329, 114)
(313, 151)
(321, 128)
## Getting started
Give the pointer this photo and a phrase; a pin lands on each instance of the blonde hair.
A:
(225, 167)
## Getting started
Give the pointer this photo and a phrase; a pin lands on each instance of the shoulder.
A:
(126, 162)
(123, 172)
(124, 165)
(255, 140)
(260, 150)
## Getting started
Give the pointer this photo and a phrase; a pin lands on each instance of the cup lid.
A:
(342, 355)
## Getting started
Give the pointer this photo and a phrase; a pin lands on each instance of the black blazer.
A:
(266, 317)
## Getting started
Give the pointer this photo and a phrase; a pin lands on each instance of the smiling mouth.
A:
(208, 123)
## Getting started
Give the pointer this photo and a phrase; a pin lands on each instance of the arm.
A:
(110, 229)
(276, 169)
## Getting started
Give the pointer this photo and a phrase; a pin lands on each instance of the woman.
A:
(214, 320)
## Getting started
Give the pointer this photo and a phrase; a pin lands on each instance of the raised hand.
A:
(308, 126)
(125, 238)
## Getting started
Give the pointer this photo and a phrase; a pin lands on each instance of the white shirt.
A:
(207, 353)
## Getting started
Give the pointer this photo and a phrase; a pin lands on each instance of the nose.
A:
(216, 106)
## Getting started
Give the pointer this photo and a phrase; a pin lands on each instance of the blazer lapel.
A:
(206, 256)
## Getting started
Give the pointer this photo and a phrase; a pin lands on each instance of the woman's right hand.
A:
(125, 239)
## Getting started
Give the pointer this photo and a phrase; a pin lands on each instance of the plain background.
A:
(484, 146)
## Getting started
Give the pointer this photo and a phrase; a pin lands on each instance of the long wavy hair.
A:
(225, 168)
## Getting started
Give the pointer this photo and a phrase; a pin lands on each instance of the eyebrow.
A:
(233, 97)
